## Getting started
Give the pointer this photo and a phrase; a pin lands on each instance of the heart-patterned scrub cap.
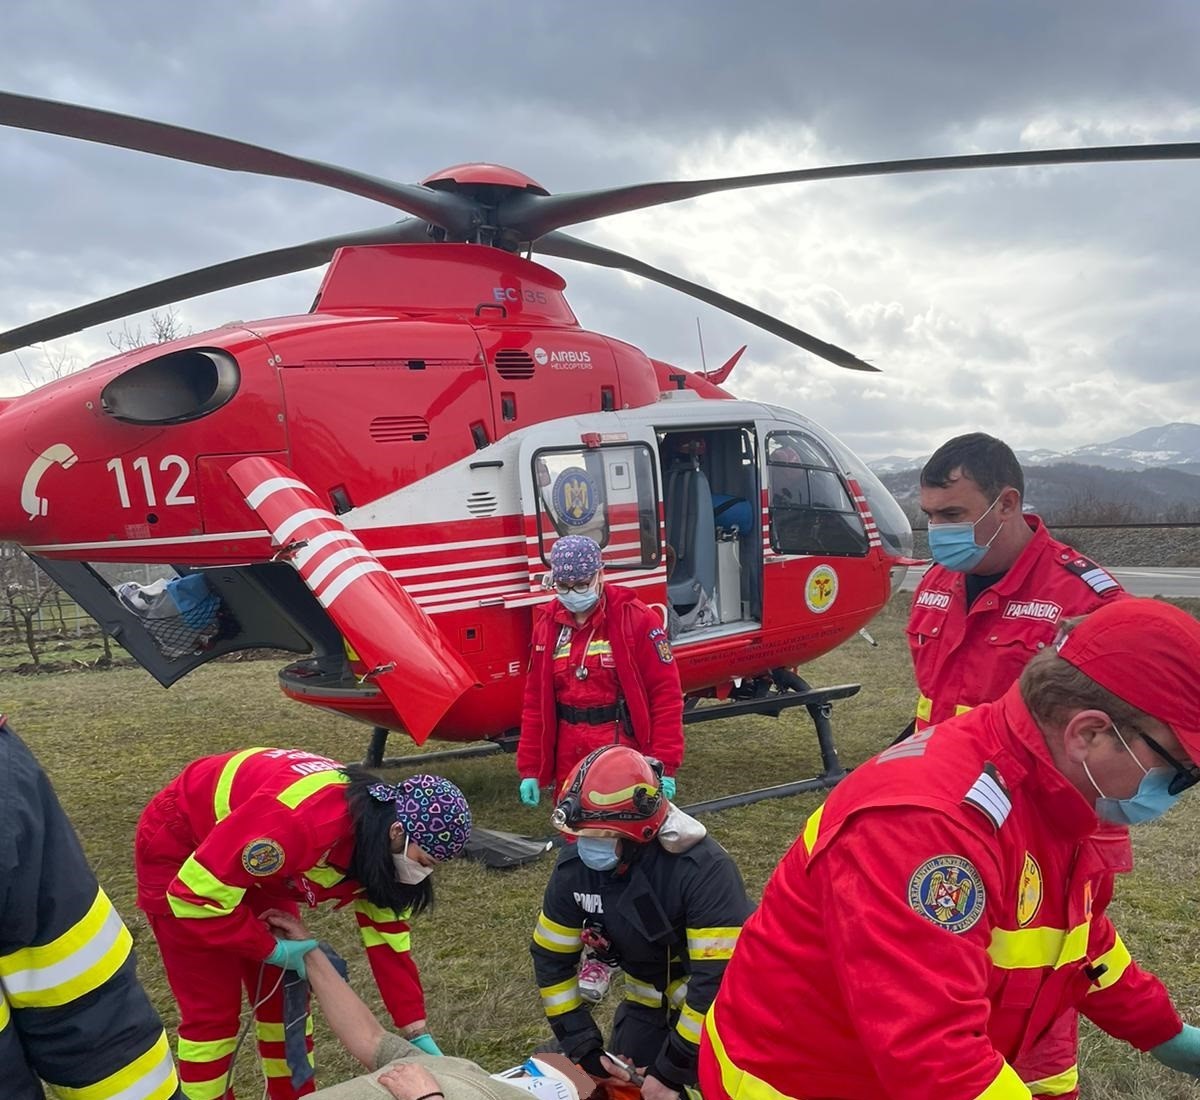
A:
(432, 811)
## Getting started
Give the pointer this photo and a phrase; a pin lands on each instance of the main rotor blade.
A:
(572, 248)
(455, 213)
(248, 269)
(533, 215)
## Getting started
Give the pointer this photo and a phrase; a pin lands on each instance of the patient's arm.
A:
(348, 1017)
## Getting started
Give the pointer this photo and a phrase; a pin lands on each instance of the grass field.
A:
(111, 739)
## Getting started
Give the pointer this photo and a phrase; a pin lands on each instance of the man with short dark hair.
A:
(947, 903)
(999, 583)
(994, 597)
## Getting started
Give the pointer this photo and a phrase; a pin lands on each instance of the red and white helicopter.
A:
(375, 484)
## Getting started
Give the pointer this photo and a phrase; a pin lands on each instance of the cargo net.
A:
(183, 615)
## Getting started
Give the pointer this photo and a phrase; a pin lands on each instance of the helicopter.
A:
(375, 485)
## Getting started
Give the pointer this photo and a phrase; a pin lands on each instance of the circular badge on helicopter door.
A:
(821, 589)
(575, 496)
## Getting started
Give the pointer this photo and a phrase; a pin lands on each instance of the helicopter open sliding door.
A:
(605, 487)
(713, 530)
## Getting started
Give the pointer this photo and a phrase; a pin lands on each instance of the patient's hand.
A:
(408, 1081)
(286, 925)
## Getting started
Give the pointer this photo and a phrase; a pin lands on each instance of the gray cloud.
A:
(1012, 300)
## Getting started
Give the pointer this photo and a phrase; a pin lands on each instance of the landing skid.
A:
(783, 691)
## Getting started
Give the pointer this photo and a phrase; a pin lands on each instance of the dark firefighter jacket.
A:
(673, 921)
(71, 1010)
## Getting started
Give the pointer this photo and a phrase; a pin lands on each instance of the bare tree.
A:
(24, 590)
(165, 324)
(1086, 506)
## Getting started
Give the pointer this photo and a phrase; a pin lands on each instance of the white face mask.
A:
(408, 870)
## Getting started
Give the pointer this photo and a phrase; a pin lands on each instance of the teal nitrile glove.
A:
(530, 794)
(668, 786)
(425, 1042)
(289, 954)
(1182, 1052)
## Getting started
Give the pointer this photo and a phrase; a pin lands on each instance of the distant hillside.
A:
(1076, 493)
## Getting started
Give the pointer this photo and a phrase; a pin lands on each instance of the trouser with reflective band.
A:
(209, 994)
(1050, 1065)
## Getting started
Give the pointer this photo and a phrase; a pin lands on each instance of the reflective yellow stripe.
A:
(187, 910)
(924, 707)
(221, 807)
(397, 941)
(79, 961)
(677, 992)
(738, 1084)
(324, 875)
(689, 1024)
(1117, 959)
(273, 1033)
(642, 993)
(278, 1067)
(711, 943)
(1058, 1085)
(811, 827)
(304, 788)
(960, 709)
(556, 937)
(205, 1090)
(222, 899)
(1031, 948)
(564, 997)
(378, 914)
(1006, 1086)
(150, 1076)
(5, 1011)
(594, 649)
(205, 1050)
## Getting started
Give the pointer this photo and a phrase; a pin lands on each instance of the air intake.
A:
(481, 503)
(399, 429)
(514, 363)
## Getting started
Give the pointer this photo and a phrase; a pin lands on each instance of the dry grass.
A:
(111, 739)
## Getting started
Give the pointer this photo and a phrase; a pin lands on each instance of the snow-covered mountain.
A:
(1168, 445)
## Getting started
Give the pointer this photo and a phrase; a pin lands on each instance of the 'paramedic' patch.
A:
(262, 857)
(948, 891)
(659, 637)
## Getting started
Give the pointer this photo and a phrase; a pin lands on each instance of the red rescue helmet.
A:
(614, 791)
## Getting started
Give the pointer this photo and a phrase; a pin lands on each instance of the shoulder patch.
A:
(989, 795)
(661, 644)
(948, 891)
(262, 857)
(1097, 578)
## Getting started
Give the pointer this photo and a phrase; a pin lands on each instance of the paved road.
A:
(1140, 582)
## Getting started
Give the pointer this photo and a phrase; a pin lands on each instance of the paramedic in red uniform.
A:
(601, 672)
(234, 835)
(948, 901)
(999, 582)
(992, 600)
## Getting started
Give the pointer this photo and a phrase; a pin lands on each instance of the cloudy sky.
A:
(1050, 306)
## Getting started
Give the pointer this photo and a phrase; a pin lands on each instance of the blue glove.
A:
(425, 1042)
(1182, 1052)
(289, 954)
(668, 787)
(530, 794)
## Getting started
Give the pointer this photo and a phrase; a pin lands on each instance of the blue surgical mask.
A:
(953, 544)
(1151, 800)
(600, 853)
(579, 602)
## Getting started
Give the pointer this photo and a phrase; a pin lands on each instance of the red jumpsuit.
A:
(625, 652)
(937, 914)
(963, 657)
(229, 837)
